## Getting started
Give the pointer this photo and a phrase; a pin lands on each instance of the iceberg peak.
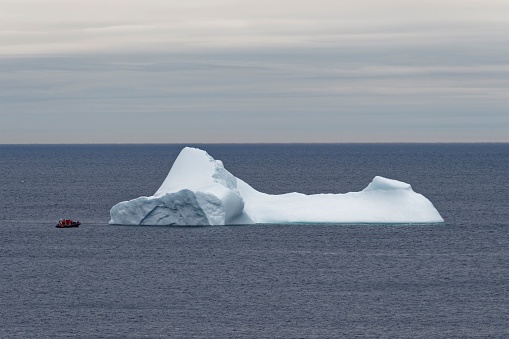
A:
(198, 190)
(383, 184)
(194, 169)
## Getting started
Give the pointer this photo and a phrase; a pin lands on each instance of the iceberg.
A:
(200, 191)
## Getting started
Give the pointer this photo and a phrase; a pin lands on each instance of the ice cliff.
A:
(200, 191)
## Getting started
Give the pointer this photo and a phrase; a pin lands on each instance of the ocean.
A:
(447, 280)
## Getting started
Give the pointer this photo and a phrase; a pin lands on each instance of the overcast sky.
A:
(125, 71)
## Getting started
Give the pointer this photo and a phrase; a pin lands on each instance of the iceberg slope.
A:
(200, 191)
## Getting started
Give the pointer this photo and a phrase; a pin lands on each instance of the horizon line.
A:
(259, 143)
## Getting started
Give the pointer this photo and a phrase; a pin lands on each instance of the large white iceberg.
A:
(200, 191)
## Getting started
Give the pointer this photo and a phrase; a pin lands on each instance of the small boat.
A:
(66, 223)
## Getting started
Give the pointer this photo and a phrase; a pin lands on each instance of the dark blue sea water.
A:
(264, 281)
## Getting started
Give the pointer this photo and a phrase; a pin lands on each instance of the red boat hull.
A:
(74, 224)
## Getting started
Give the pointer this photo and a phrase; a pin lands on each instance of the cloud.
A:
(61, 26)
(256, 71)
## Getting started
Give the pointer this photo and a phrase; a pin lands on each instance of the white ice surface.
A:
(200, 191)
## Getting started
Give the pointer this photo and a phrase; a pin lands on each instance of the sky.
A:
(226, 71)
